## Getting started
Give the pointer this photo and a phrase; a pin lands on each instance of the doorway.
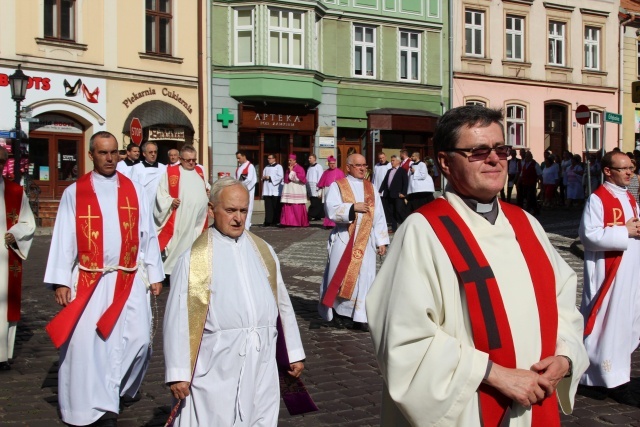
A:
(55, 162)
(555, 124)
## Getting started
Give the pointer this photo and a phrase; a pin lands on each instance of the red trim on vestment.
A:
(13, 202)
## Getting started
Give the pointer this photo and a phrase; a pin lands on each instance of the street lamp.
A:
(18, 82)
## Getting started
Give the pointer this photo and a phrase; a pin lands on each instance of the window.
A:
(592, 48)
(593, 131)
(285, 38)
(60, 19)
(516, 124)
(158, 26)
(515, 38)
(474, 102)
(556, 43)
(364, 51)
(244, 37)
(409, 56)
(474, 32)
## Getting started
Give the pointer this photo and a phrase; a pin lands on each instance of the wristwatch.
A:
(570, 372)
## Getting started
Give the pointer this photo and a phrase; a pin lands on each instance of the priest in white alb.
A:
(227, 309)
(149, 172)
(246, 173)
(181, 207)
(359, 235)
(17, 225)
(610, 233)
(102, 279)
(473, 314)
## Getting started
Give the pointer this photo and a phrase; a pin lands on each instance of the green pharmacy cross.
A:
(225, 117)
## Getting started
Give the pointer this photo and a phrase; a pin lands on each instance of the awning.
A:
(157, 113)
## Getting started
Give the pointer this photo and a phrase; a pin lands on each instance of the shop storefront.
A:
(276, 129)
(60, 113)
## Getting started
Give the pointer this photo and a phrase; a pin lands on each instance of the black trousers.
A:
(417, 200)
(271, 210)
(316, 208)
(387, 203)
(398, 210)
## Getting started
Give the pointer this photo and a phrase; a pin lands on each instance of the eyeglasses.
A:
(358, 165)
(629, 169)
(188, 160)
(478, 154)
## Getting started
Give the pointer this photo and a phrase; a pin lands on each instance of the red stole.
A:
(489, 322)
(89, 235)
(613, 213)
(12, 203)
(245, 171)
(173, 175)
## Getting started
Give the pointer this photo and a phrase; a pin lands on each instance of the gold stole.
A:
(360, 244)
(200, 276)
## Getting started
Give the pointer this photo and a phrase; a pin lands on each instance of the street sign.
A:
(135, 131)
(613, 118)
(7, 134)
(583, 114)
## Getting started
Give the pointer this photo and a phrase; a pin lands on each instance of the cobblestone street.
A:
(341, 371)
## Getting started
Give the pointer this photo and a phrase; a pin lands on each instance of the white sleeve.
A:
(334, 208)
(594, 235)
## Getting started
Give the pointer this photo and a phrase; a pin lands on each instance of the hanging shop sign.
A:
(166, 134)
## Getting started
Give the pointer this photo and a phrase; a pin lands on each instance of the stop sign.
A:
(135, 131)
(583, 114)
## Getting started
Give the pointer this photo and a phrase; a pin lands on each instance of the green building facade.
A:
(317, 77)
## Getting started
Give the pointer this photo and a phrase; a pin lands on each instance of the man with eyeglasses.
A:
(360, 233)
(17, 228)
(473, 313)
(610, 233)
(149, 171)
(181, 206)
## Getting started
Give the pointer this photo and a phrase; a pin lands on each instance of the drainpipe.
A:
(450, 54)
(209, 92)
(632, 17)
(201, 85)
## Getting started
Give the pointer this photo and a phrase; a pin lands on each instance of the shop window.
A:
(158, 26)
(364, 51)
(409, 56)
(286, 31)
(60, 19)
(244, 36)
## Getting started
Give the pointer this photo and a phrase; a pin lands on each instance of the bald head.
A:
(357, 166)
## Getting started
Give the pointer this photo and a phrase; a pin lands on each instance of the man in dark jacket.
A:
(394, 192)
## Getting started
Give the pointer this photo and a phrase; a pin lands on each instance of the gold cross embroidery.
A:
(88, 217)
(15, 268)
(129, 208)
(13, 216)
(617, 214)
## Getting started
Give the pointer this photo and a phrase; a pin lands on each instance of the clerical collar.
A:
(312, 165)
(488, 211)
(271, 165)
(130, 162)
(383, 164)
(416, 163)
(149, 165)
(615, 188)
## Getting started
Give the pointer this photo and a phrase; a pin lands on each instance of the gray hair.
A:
(102, 134)
(187, 148)
(220, 185)
(146, 144)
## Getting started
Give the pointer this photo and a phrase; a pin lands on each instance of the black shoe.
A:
(622, 394)
(4, 366)
(109, 419)
(338, 323)
(127, 401)
(360, 326)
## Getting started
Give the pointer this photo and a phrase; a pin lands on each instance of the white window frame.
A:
(591, 47)
(476, 32)
(557, 42)
(516, 125)
(515, 36)
(287, 32)
(475, 102)
(408, 50)
(364, 45)
(244, 28)
(638, 57)
(593, 131)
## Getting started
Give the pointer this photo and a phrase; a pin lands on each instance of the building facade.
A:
(630, 72)
(301, 77)
(95, 65)
(538, 61)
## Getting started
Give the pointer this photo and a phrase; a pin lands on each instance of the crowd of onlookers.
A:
(558, 181)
